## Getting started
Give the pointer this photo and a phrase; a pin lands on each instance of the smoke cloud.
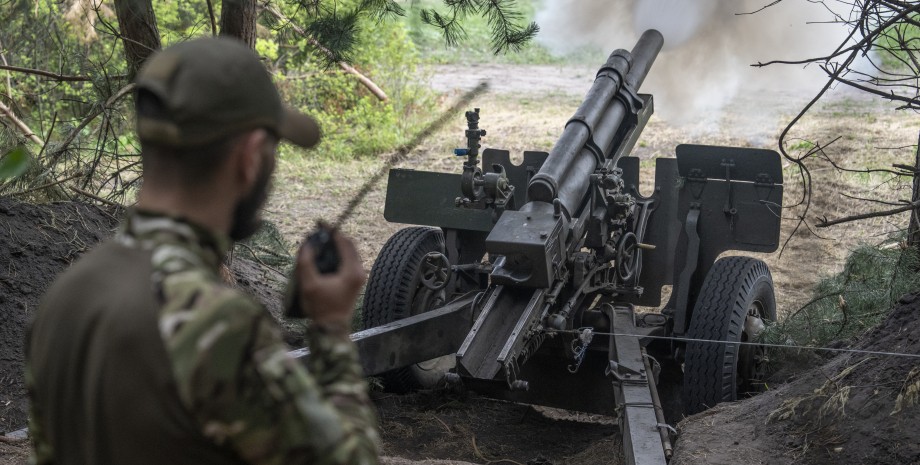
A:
(709, 47)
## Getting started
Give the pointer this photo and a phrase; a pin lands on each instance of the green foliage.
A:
(356, 123)
(337, 24)
(268, 248)
(799, 145)
(14, 163)
(899, 45)
(468, 40)
(99, 153)
(849, 303)
(89, 132)
(502, 16)
(179, 20)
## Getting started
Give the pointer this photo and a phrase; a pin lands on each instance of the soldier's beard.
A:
(246, 217)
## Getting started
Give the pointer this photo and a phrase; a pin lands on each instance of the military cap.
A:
(210, 88)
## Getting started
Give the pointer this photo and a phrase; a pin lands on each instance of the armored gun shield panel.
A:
(427, 198)
(739, 192)
(430, 199)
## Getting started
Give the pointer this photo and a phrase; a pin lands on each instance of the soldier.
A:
(139, 354)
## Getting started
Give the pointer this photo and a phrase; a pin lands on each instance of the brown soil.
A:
(14, 453)
(846, 412)
(430, 426)
(36, 243)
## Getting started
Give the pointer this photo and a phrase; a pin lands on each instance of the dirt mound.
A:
(37, 242)
(857, 408)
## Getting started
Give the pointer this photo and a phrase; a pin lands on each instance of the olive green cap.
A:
(212, 88)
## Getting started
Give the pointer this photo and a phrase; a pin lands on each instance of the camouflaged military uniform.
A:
(140, 355)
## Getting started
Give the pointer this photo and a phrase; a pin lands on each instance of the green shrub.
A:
(355, 123)
(849, 303)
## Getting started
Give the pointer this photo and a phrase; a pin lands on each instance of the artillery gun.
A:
(523, 281)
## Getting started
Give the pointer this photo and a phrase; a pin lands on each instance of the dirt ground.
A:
(36, 243)
(430, 426)
(526, 110)
(856, 409)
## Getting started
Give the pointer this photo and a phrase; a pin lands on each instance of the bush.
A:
(355, 123)
(856, 299)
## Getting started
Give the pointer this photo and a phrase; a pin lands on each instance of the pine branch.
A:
(337, 32)
(451, 28)
(382, 9)
(20, 125)
(502, 17)
(364, 80)
(506, 33)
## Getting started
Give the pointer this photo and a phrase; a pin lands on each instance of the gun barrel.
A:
(590, 133)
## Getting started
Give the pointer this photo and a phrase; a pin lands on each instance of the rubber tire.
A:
(391, 293)
(731, 287)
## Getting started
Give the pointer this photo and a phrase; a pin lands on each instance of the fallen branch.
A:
(864, 216)
(364, 80)
(20, 125)
(45, 186)
(96, 197)
(47, 74)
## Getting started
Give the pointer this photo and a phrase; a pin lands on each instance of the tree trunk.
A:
(913, 229)
(139, 32)
(238, 19)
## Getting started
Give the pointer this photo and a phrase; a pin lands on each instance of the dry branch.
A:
(45, 186)
(364, 80)
(47, 74)
(20, 125)
(863, 216)
(92, 115)
(96, 197)
(868, 22)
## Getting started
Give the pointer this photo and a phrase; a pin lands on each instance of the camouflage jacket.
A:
(230, 370)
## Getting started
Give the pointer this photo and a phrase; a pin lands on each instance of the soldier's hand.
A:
(330, 298)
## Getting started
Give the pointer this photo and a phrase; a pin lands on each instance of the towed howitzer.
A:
(523, 282)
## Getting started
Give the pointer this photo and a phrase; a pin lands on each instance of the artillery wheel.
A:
(735, 302)
(408, 278)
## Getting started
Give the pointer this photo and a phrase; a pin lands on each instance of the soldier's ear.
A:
(249, 157)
